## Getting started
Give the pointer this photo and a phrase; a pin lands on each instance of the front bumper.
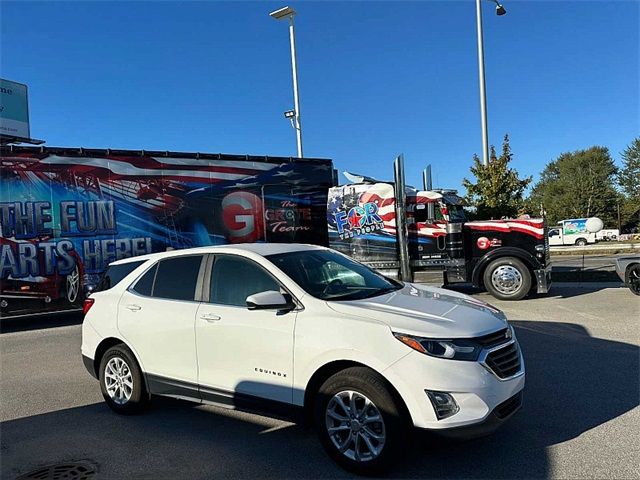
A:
(496, 418)
(478, 392)
(543, 278)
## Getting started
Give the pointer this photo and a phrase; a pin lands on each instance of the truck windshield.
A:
(456, 213)
(328, 275)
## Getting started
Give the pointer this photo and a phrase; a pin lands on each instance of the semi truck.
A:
(65, 213)
(400, 231)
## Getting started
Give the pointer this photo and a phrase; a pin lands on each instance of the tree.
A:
(578, 184)
(629, 181)
(498, 190)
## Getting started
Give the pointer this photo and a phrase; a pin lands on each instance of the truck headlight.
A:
(459, 349)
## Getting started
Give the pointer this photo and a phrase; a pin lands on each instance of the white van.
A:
(571, 232)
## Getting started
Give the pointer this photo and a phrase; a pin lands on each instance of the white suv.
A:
(307, 333)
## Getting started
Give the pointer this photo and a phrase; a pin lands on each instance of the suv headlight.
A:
(459, 349)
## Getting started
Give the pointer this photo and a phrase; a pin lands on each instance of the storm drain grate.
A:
(62, 471)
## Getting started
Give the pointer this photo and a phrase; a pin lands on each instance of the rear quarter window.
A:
(114, 274)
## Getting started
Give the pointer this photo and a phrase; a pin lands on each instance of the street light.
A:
(282, 13)
(500, 10)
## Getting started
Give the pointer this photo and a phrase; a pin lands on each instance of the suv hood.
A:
(427, 311)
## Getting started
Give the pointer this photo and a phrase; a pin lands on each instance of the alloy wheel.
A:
(634, 280)
(506, 279)
(118, 380)
(355, 426)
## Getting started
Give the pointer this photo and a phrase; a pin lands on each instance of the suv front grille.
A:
(493, 339)
(504, 362)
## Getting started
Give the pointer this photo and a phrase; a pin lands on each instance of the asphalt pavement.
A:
(580, 417)
(586, 262)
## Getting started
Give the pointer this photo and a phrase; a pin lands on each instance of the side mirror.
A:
(269, 300)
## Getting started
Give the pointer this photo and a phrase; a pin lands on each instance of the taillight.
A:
(86, 306)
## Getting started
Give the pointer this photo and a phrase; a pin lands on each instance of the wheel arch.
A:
(529, 260)
(105, 345)
(329, 369)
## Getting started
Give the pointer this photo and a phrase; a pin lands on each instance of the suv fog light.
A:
(443, 404)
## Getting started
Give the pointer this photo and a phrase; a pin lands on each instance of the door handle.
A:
(134, 308)
(210, 317)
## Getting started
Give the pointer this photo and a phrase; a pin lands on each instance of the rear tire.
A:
(507, 278)
(122, 382)
(581, 242)
(368, 426)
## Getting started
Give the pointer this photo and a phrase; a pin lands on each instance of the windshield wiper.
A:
(382, 291)
(355, 296)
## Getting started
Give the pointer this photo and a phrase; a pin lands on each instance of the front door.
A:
(157, 317)
(243, 352)
(555, 237)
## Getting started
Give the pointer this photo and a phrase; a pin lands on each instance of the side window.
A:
(114, 273)
(233, 279)
(144, 286)
(177, 277)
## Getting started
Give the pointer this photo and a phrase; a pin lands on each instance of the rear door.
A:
(156, 317)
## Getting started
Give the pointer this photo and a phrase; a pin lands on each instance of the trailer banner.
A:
(65, 217)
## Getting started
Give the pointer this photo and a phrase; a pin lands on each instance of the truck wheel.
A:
(359, 423)
(507, 278)
(633, 279)
(121, 381)
(581, 242)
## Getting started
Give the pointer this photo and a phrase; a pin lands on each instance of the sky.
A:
(377, 79)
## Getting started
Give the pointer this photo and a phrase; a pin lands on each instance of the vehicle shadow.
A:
(574, 383)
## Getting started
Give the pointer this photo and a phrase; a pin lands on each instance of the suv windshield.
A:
(331, 276)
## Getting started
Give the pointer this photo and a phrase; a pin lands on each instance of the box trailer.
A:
(65, 213)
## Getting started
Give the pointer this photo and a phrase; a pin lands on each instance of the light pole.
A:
(500, 10)
(288, 12)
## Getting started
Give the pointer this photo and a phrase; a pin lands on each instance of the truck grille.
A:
(547, 252)
(505, 361)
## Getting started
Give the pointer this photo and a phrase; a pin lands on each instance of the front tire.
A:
(122, 382)
(507, 278)
(360, 424)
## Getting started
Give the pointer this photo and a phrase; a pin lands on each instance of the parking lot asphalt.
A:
(584, 262)
(580, 417)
